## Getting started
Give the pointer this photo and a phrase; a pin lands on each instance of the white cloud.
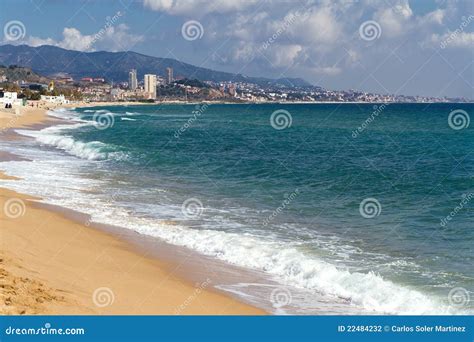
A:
(437, 17)
(316, 25)
(352, 57)
(395, 20)
(330, 70)
(112, 38)
(248, 27)
(118, 38)
(200, 7)
(284, 55)
(243, 53)
(36, 41)
(455, 39)
(74, 40)
(321, 38)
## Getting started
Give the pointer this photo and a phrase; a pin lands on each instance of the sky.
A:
(386, 46)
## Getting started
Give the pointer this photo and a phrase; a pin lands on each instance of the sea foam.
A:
(287, 265)
(55, 136)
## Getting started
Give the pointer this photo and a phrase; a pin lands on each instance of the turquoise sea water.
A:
(367, 205)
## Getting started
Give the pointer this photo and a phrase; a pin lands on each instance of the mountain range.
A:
(50, 60)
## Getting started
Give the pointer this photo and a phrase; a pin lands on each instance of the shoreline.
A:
(135, 103)
(194, 255)
(53, 264)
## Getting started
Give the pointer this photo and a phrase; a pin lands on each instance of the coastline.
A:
(51, 264)
(269, 102)
(88, 187)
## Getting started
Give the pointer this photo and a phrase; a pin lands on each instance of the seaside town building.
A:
(169, 75)
(150, 82)
(60, 99)
(132, 79)
(65, 80)
(9, 98)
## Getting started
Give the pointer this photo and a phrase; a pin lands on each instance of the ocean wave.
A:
(94, 150)
(288, 265)
(54, 136)
(63, 113)
(100, 111)
(127, 119)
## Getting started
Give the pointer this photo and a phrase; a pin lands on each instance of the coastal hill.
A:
(114, 66)
(14, 73)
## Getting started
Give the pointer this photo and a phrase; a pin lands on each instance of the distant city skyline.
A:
(399, 47)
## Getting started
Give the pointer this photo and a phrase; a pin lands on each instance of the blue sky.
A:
(392, 46)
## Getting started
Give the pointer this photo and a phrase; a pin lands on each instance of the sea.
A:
(340, 208)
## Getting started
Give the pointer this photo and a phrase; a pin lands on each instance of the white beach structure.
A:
(54, 99)
(9, 97)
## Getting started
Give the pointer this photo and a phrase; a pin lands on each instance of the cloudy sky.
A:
(386, 46)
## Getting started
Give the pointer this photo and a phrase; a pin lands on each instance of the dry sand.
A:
(50, 264)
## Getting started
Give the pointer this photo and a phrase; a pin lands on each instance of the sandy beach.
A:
(51, 264)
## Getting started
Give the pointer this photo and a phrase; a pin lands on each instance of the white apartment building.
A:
(150, 86)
